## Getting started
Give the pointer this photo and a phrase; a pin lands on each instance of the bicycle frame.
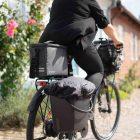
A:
(97, 94)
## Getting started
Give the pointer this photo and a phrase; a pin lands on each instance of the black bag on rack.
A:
(108, 55)
(48, 59)
(70, 115)
(71, 103)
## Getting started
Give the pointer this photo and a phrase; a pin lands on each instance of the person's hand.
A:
(118, 44)
(111, 33)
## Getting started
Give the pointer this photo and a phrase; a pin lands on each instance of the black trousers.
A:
(89, 60)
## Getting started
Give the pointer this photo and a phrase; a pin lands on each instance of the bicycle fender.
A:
(35, 99)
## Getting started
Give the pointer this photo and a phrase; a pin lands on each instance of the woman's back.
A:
(69, 19)
(68, 11)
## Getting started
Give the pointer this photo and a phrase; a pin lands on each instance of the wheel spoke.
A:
(41, 113)
(46, 108)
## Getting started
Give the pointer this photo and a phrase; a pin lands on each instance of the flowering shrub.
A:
(15, 37)
(31, 22)
(11, 27)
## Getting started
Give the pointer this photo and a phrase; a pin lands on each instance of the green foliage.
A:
(14, 56)
(14, 50)
(136, 83)
(126, 86)
(130, 81)
(123, 95)
(13, 110)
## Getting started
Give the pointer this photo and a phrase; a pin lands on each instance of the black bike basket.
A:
(69, 116)
(108, 56)
(48, 59)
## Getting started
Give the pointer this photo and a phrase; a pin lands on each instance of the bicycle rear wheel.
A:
(38, 117)
(106, 112)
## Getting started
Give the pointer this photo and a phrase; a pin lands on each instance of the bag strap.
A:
(81, 110)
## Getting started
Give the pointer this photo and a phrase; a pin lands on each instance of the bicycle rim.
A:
(104, 124)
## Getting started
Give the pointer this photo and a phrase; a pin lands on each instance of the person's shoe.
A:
(50, 132)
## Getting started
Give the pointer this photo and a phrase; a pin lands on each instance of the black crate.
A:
(48, 59)
(69, 117)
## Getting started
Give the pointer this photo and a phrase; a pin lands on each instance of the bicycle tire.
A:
(113, 130)
(32, 117)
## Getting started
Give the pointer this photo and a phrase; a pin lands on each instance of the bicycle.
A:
(104, 100)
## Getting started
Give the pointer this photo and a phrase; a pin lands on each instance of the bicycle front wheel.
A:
(106, 112)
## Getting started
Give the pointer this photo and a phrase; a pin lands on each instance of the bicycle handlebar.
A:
(104, 41)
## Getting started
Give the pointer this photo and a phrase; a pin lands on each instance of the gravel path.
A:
(129, 126)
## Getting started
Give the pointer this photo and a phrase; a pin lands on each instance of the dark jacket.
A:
(70, 19)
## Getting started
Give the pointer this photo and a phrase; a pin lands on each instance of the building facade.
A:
(128, 28)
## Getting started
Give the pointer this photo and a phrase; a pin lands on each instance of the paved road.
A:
(129, 126)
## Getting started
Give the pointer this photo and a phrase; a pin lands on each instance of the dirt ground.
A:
(129, 125)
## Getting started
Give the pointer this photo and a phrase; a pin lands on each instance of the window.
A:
(121, 34)
(134, 47)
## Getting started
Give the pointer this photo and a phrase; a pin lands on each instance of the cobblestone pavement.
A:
(129, 125)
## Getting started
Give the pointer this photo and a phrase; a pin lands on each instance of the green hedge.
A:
(129, 83)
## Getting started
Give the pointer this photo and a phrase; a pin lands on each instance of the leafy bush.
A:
(126, 86)
(136, 83)
(130, 81)
(13, 110)
(123, 95)
(15, 37)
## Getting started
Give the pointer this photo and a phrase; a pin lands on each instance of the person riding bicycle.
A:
(74, 23)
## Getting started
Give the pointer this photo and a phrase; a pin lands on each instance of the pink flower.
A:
(11, 27)
(12, 24)
(10, 33)
(31, 21)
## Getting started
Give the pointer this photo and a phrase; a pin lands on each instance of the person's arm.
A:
(111, 33)
(103, 23)
(98, 14)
